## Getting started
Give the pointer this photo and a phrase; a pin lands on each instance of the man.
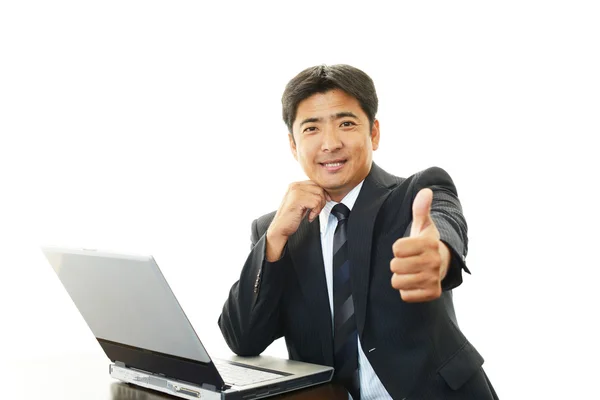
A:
(356, 266)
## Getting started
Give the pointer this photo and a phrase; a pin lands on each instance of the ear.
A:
(293, 146)
(375, 135)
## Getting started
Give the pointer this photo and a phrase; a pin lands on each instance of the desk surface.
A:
(79, 378)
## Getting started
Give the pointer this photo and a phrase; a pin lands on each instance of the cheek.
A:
(305, 152)
(360, 151)
(302, 158)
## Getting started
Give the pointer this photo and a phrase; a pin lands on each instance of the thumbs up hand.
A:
(420, 261)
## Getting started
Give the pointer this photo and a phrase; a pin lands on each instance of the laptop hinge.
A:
(120, 364)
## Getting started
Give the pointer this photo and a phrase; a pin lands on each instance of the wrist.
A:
(274, 246)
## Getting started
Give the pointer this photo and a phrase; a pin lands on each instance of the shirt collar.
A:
(348, 201)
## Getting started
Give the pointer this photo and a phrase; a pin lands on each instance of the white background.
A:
(155, 127)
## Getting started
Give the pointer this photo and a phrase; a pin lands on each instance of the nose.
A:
(331, 140)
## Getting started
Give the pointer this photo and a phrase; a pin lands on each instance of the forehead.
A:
(330, 102)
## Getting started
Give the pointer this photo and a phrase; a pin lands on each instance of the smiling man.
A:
(356, 267)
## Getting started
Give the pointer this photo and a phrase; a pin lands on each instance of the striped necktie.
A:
(345, 337)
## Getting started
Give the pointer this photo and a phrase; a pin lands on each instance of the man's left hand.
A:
(420, 261)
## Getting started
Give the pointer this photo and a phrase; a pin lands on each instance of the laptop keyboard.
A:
(236, 375)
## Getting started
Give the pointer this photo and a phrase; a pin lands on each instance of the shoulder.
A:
(433, 177)
(406, 189)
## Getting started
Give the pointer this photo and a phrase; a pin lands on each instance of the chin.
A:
(329, 182)
(332, 186)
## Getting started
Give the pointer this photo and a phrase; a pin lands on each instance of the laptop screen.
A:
(126, 299)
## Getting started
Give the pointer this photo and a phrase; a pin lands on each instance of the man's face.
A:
(334, 142)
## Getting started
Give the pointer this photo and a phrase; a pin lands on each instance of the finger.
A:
(314, 185)
(412, 246)
(311, 184)
(308, 198)
(420, 295)
(412, 265)
(316, 205)
(307, 214)
(411, 281)
(310, 191)
(304, 187)
(421, 211)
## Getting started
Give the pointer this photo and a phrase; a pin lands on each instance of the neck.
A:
(338, 196)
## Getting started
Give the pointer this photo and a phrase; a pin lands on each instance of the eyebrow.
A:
(339, 115)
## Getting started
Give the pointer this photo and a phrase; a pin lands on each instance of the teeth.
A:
(337, 164)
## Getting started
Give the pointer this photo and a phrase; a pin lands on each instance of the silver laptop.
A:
(130, 308)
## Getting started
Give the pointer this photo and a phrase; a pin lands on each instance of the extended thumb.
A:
(421, 211)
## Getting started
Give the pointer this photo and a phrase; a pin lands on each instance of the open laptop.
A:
(130, 308)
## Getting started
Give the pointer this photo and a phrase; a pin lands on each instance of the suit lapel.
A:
(307, 257)
(360, 237)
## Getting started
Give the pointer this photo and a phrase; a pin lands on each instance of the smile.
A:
(333, 165)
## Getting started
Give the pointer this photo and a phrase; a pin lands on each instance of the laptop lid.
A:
(130, 308)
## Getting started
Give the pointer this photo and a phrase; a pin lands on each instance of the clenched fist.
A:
(420, 261)
(300, 199)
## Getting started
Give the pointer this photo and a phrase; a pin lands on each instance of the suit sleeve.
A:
(446, 212)
(250, 318)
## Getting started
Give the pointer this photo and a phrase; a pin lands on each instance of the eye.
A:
(347, 124)
(310, 129)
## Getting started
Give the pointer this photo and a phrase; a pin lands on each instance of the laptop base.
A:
(184, 390)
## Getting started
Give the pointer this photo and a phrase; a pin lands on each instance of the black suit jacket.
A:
(416, 349)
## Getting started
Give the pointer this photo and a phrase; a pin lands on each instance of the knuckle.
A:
(419, 279)
(434, 260)
(437, 260)
(397, 247)
(401, 282)
(435, 293)
(431, 242)
(418, 244)
(431, 294)
(408, 296)
(393, 265)
(432, 281)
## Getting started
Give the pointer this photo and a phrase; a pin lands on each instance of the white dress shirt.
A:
(371, 387)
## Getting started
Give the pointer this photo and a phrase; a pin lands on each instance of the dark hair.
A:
(323, 78)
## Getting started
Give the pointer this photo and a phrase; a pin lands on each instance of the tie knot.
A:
(340, 211)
